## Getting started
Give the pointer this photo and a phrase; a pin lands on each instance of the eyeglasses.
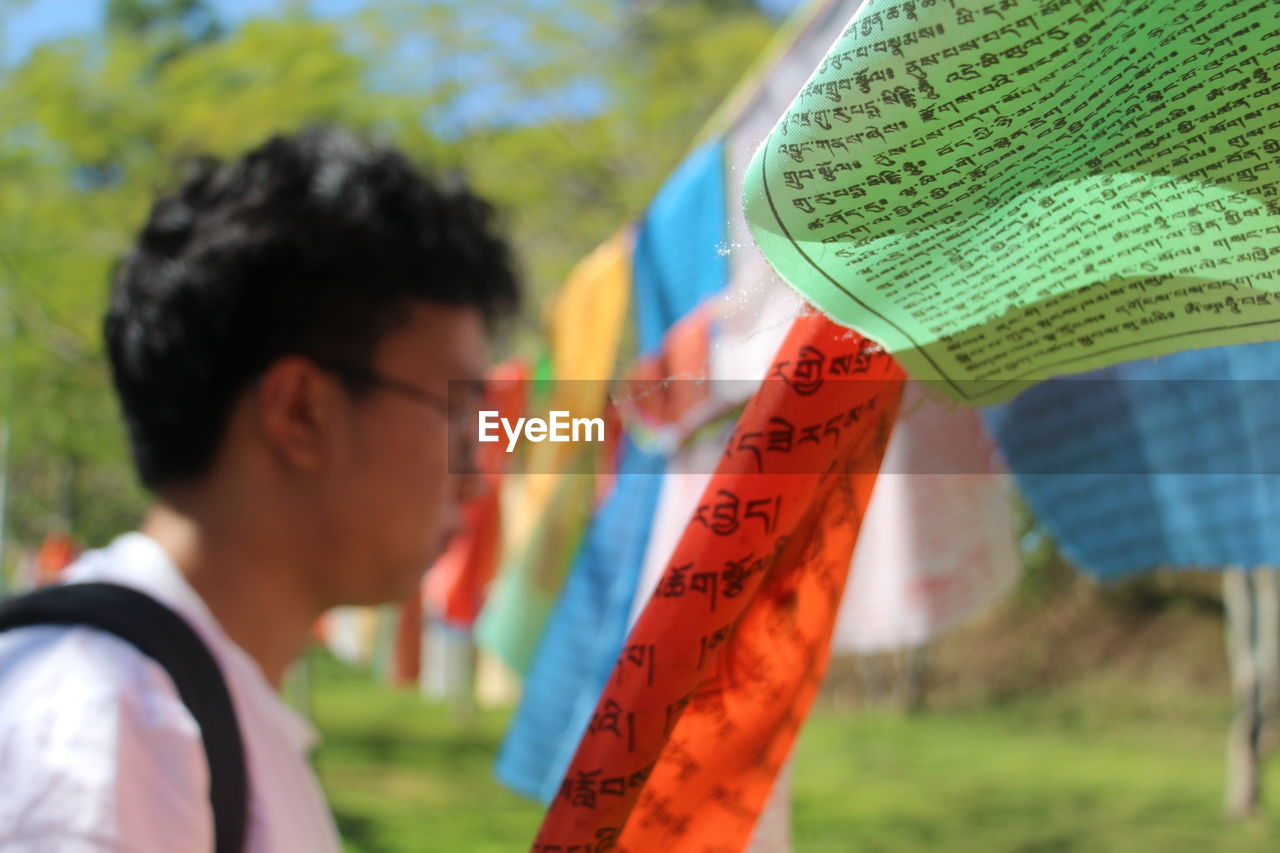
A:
(460, 425)
(365, 376)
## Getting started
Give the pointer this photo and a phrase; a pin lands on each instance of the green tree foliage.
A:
(194, 18)
(172, 26)
(663, 73)
(567, 113)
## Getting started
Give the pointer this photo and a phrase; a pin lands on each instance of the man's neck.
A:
(250, 582)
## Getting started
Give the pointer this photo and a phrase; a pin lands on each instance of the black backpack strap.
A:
(166, 638)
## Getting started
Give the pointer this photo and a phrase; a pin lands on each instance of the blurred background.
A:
(566, 113)
(1070, 716)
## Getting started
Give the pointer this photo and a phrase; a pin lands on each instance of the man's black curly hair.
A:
(311, 244)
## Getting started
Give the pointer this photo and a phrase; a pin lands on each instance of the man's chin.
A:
(394, 585)
(397, 593)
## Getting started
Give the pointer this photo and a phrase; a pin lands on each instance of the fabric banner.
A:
(455, 586)
(1165, 462)
(545, 513)
(584, 633)
(763, 99)
(544, 516)
(585, 324)
(586, 629)
(1000, 193)
(754, 316)
(680, 257)
(678, 262)
(938, 543)
(713, 682)
(684, 257)
(406, 653)
(688, 472)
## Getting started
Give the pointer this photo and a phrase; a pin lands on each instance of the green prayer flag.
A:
(1004, 191)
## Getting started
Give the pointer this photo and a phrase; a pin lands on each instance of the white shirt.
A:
(98, 752)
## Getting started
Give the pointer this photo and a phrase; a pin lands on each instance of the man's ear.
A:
(296, 412)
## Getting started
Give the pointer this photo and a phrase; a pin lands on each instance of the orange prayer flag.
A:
(652, 399)
(57, 551)
(719, 671)
(406, 664)
(455, 586)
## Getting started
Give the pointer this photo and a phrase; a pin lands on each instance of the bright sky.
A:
(41, 20)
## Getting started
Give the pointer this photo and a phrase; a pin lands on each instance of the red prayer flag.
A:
(718, 673)
(455, 586)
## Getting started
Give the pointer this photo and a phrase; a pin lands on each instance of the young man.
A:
(288, 340)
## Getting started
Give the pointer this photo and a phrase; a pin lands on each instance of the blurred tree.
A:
(568, 113)
(572, 176)
(194, 19)
(172, 27)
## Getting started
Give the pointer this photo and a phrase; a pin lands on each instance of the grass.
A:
(402, 775)
(1105, 765)
(1043, 775)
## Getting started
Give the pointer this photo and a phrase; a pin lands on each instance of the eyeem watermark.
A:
(558, 427)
